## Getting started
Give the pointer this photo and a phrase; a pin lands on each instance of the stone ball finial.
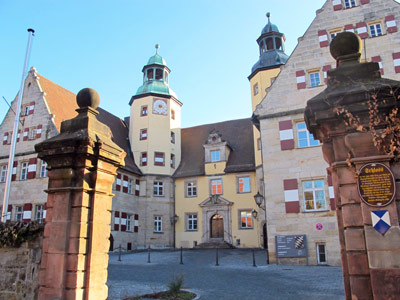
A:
(88, 97)
(345, 43)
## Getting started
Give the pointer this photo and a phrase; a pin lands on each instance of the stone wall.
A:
(19, 271)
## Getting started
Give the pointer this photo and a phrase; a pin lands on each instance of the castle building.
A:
(297, 186)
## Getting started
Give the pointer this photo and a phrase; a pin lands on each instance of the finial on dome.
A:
(268, 16)
(88, 97)
(157, 47)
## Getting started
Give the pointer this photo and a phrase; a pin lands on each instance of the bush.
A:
(13, 234)
(174, 287)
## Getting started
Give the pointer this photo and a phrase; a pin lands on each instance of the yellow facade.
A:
(249, 237)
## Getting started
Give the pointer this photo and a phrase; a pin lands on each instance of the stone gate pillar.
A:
(349, 118)
(82, 162)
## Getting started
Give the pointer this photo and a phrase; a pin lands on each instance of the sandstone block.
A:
(354, 238)
(352, 215)
(358, 263)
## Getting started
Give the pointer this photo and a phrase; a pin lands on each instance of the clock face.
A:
(160, 107)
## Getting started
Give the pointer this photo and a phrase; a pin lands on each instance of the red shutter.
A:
(391, 24)
(292, 204)
(136, 224)
(325, 69)
(39, 131)
(159, 159)
(364, 2)
(118, 183)
(286, 135)
(337, 4)
(125, 184)
(32, 168)
(378, 60)
(5, 138)
(31, 107)
(331, 193)
(116, 221)
(362, 30)
(123, 221)
(137, 187)
(14, 171)
(323, 38)
(18, 135)
(27, 216)
(26, 132)
(349, 27)
(143, 159)
(396, 61)
(301, 79)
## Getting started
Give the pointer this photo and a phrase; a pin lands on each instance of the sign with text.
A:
(376, 184)
(291, 245)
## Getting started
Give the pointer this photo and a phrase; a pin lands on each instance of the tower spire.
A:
(157, 47)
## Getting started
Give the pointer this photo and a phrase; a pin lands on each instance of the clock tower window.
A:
(159, 74)
(150, 74)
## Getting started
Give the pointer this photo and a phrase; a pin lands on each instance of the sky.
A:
(209, 45)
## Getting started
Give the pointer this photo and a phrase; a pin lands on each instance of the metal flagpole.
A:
(15, 131)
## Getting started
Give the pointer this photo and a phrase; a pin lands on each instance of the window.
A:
(191, 189)
(215, 156)
(259, 144)
(243, 185)
(216, 187)
(26, 110)
(43, 169)
(39, 213)
(314, 195)
(191, 222)
(143, 159)
(143, 134)
(143, 111)
(24, 171)
(130, 184)
(255, 89)
(166, 77)
(3, 173)
(321, 254)
(375, 29)
(304, 138)
(159, 74)
(157, 224)
(246, 220)
(158, 188)
(315, 79)
(159, 159)
(129, 223)
(32, 133)
(172, 137)
(349, 3)
(172, 162)
(19, 213)
(172, 114)
(150, 73)
(334, 32)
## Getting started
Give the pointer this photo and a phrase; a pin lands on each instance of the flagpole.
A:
(15, 131)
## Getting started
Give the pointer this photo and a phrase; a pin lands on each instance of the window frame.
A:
(248, 216)
(158, 188)
(159, 155)
(172, 160)
(143, 159)
(217, 189)
(43, 169)
(319, 262)
(215, 159)
(310, 79)
(129, 223)
(157, 221)
(143, 134)
(309, 139)
(191, 189)
(238, 190)
(255, 89)
(172, 137)
(314, 190)
(130, 186)
(374, 25)
(23, 175)
(3, 173)
(144, 110)
(39, 210)
(192, 222)
(19, 213)
(349, 4)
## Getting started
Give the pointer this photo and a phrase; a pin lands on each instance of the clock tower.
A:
(155, 121)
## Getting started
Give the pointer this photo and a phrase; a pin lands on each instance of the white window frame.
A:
(215, 155)
(158, 224)
(144, 111)
(349, 4)
(319, 261)
(238, 185)
(314, 190)
(373, 27)
(26, 110)
(247, 215)
(191, 189)
(39, 209)
(159, 159)
(43, 169)
(172, 137)
(129, 223)
(212, 181)
(192, 223)
(3, 173)
(130, 186)
(143, 134)
(19, 213)
(309, 139)
(24, 171)
(158, 188)
(313, 81)
(32, 133)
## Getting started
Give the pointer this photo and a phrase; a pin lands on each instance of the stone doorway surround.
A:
(216, 205)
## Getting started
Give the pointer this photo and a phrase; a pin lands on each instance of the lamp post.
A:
(260, 201)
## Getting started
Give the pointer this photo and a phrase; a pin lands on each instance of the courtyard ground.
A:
(235, 278)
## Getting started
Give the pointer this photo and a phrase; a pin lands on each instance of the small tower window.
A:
(166, 77)
(262, 47)
(150, 74)
(278, 43)
(270, 44)
(159, 74)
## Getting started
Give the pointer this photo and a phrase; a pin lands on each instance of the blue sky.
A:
(209, 45)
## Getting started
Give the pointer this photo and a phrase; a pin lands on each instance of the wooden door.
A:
(217, 226)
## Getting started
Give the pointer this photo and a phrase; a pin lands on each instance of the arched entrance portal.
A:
(217, 227)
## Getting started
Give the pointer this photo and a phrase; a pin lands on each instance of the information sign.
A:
(376, 184)
(291, 245)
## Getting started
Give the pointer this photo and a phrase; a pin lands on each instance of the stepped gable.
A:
(238, 134)
(61, 102)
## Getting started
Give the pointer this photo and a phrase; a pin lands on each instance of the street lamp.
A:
(174, 219)
(260, 201)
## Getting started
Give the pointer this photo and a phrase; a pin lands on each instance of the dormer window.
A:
(215, 156)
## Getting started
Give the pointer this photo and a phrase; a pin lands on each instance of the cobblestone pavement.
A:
(234, 278)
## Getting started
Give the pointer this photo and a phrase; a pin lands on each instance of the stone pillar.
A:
(82, 162)
(347, 120)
